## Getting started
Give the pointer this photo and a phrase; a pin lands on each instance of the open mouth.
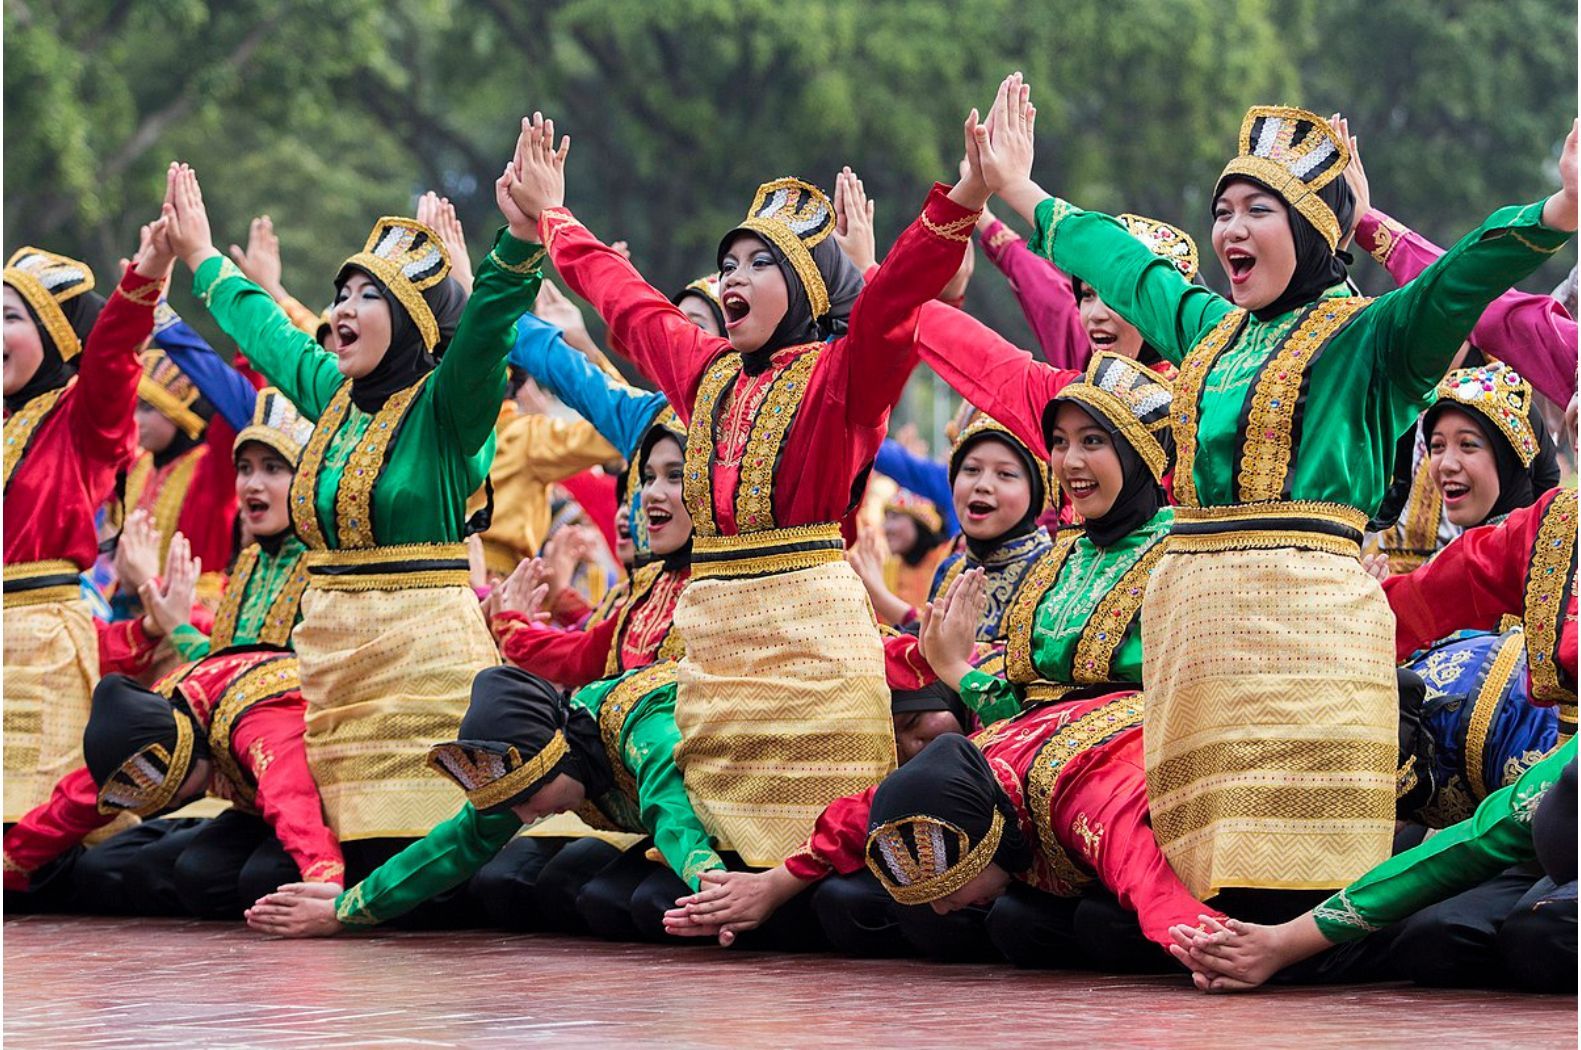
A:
(1454, 491)
(658, 519)
(255, 508)
(1081, 488)
(1241, 263)
(345, 335)
(622, 530)
(980, 508)
(1102, 340)
(736, 308)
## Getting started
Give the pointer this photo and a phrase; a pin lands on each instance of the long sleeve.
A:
(189, 642)
(268, 743)
(644, 326)
(1498, 835)
(443, 859)
(1047, 299)
(621, 413)
(225, 388)
(1533, 334)
(52, 828)
(928, 478)
(992, 698)
(666, 809)
(470, 380)
(124, 647)
(108, 369)
(301, 315)
(571, 658)
(989, 371)
(838, 842)
(287, 356)
(1145, 289)
(595, 494)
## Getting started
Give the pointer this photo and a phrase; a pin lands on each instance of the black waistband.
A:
(38, 583)
(1266, 523)
(386, 567)
(766, 551)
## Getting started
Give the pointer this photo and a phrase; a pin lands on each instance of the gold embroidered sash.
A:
(24, 425)
(1550, 582)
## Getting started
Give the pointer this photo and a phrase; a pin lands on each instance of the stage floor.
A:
(78, 982)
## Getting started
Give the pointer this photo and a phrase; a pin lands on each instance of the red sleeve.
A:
(124, 647)
(644, 326)
(208, 513)
(838, 841)
(989, 371)
(50, 829)
(247, 371)
(570, 608)
(880, 349)
(1469, 585)
(568, 658)
(1047, 299)
(268, 744)
(595, 493)
(101, 412)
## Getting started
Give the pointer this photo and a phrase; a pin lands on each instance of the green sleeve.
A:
(470, 381)
(993, 698)
(287, 356)
(444, 858)
(1146, 289)
(189, 642)
(1421, 324)
(1496, 836)
(649, 752)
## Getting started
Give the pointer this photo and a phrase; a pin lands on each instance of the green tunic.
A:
(636, 717)
(1351, 374)
(269, 577)
(1074, 621)
(1497, 836)
(442, 448)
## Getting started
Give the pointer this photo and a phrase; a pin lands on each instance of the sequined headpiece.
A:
(795, 217)
(1166, 241)
(1294, 153)
(145, 783)
(46, 280)
(1134, 399)
(407, 257)
(920, 509)
(921, 859)
(277, 424)
(165, 386)
(1500, 395)
(493, 774)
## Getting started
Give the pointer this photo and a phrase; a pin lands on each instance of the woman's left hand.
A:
(1559, 213)
(731, 902)
(535, 180)
(298, 909)
(1355, 175)
(853, 221)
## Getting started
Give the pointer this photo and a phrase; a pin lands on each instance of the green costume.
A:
(635, 713)
(267, 588)
(1497, 836)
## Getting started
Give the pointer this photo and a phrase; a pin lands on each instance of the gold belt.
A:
(41, 583)
(1042, 692)
(1332, 528)
(405, 567)
(766, 553)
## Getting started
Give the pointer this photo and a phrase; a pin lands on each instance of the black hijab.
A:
(126, 717)
(935, 696)
(681, 557)
(798, 326)
(54, 371)
(981, 549)
(407, 360)
(1519, 486)
(1318, 268)
(1141, 494)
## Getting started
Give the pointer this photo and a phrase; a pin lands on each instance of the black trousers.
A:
(1036, 930)
(531, 884)
(227, 864)
(792, 928)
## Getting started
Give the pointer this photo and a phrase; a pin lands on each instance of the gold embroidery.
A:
(642, 582)
(147, 295)
(755, 486)
(230, 608)
(921, 884)
(391, 568)
(697, 489)
(173, 496)
(618, 704)
(1485, 707)
(526, 269)
(1268, 442)
(226, 271)
(954, 230)
(281, 617)
(1548, 578)
(1112, 618)
(304, 486)
(1386, 239)
(1019, 617)
(354, 501)
(553, 221)
(136, 482)
(1090, 833)
(21, 428)
(1188, 397)
(267, 680)
(1003, 236)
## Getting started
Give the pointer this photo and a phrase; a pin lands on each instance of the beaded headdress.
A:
(921, 859)
(795, 217)
(408, 258)
(165, 386)
(1294, 153)
(46, 280)
(145, 783)
(920, 509)
(1134, 399)
(277, 424)
(981, 424)
(1164, 240)
(492, 774)
(1500, 395)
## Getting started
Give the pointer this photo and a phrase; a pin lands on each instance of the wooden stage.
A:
(90, 983)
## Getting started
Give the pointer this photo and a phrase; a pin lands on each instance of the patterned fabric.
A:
(1166, 241)
(46, 280)
(795, 216)
(277, 423)
(165, 386)
(1295, 153)
(1004, 571)
(1499, 395)
(408, 257)
(51, 667)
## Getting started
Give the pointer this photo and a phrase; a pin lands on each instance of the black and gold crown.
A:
(165, 386)
(978, 424)
(46, 280)
(1295, 153)
(1134, 399)
(1500, 395)
(921, 859)
(795, 217)
(145, 783)
(1164, 240)
(277, 424)
(492, 774)
(408, 258)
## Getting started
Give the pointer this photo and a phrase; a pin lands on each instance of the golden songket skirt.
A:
(1272, 712)
(51, 667)
(781, 702)
(386, 675)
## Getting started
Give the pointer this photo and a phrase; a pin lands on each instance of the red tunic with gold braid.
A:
(194, 493)
(1073, 771)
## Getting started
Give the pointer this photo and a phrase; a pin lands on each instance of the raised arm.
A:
(1047, 299)
(106, 392)
(226, 389)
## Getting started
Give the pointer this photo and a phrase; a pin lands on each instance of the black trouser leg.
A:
(207, 874)
(507, 887)
(960, 936)
(1453, 944)
(1111, 937)
(1036, 930)
(604, 902)
(455, 909)
(858, 916)
(269, 868)
(133, 873)
(1537, 941)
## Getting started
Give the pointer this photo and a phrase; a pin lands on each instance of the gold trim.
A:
(382, 555)
(1485, 707)
(522, 777)
(959, 230)
(1019, 619)
(1043, 692)
(276, 677)
(925, 891)
(304, 484)
(270, 437)
(642, 582)
(524, 269)
(616, 708)
(1552, 566)
(172, 496)
(171, 407)
(32, 570)
(226, 271)
(1185, 405)
(42, 596)
(781, 403)
(230, 606)
(1386, 238)
(1268, 443)
(280, 620)
(365, 466)
(48, 310)
(1111, 619)
(181, 760)
(1120, 414)
(411, 298)
(1296, 192)
(1250, 536)
(697, 488)
(552, 221)
(23, 426)
(799, 256)
(766, 565)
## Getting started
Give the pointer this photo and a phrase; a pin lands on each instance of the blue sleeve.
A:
(226, 389)
(620, 413)
(928, 478)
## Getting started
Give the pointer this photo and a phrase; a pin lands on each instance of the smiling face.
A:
(1107, 330)
(1085, 461)
(986, 888)
(699, 313)
(1463, 468)
(263, 487)
(155, 431)
(915, 730)
(560, 795)
(1251, 237)
(669, 523)
(625, 548)
(992, 490)
(362, 325)
(900, 532)
(753, 293)
(24, 343)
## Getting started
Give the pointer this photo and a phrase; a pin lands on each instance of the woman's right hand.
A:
(853, 221)
(261, 260)
(1004, 148)
(535, 180)
(169, 604)
(949, 627)
(186, 218)
(137, 551)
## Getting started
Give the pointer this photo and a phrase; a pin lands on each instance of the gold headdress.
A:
(1498, 394)
(911, 857)
(408, 258)
(795, 217)
(145, 783)
(493, 774)
(277, 424)
(1295, 153)
(47, 280)
(1135, 400)
(165, 386)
